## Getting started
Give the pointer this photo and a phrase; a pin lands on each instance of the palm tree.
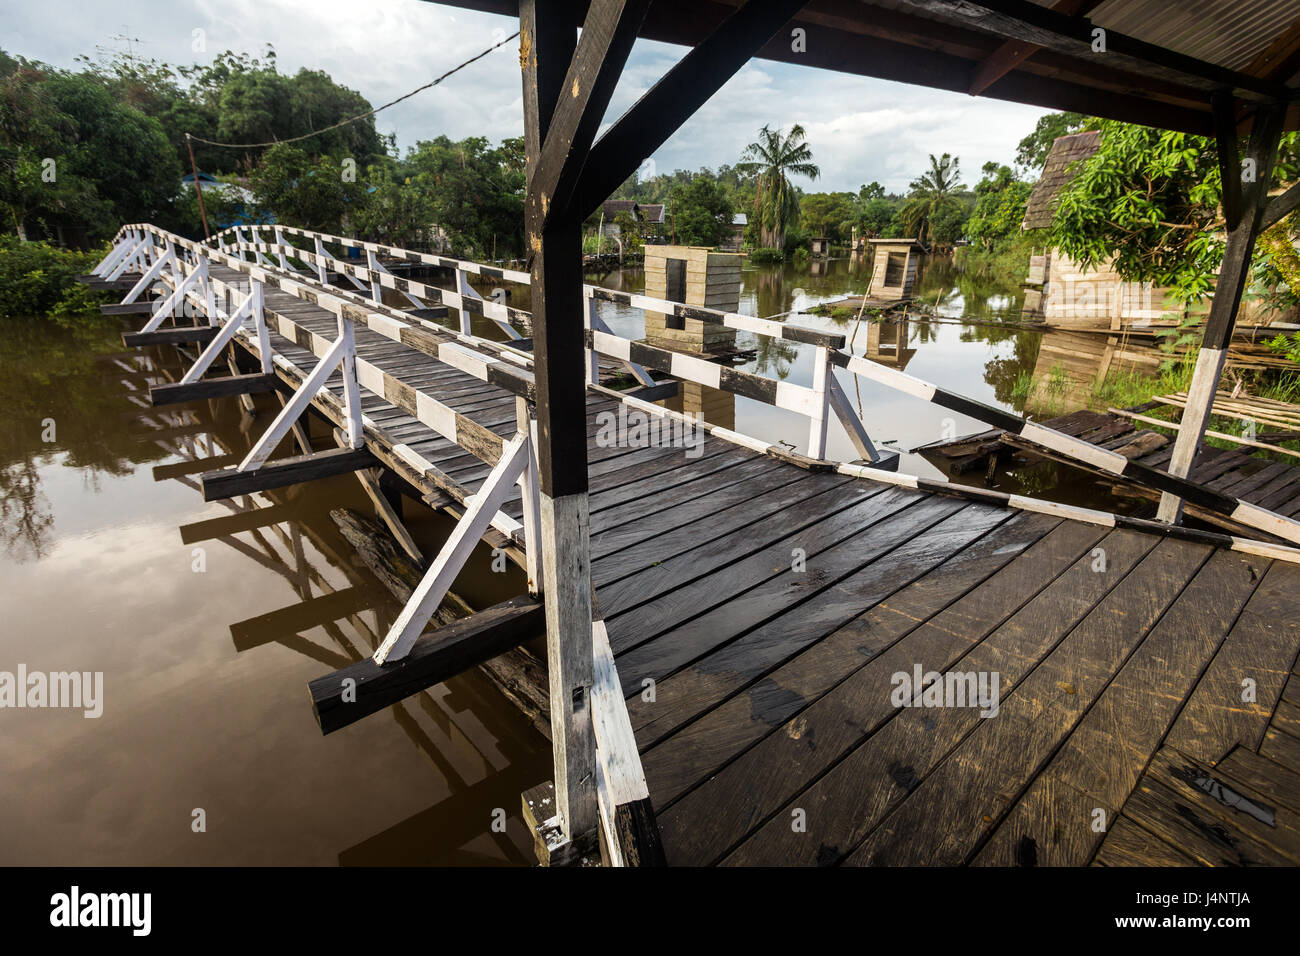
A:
(933, 193)
(776, 204)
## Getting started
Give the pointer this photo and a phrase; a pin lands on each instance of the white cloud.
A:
(860, 129)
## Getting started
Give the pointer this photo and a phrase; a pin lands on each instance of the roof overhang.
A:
(1163, 59)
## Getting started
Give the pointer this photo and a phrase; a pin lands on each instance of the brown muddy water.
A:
(205, 701)
(205, 707)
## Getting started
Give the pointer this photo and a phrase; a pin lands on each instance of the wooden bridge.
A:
(794, 660)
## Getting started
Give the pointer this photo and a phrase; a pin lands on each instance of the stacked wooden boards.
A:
(761, 616)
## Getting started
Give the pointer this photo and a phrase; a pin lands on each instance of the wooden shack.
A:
(894, 272)
(821, 248)
(694, 275)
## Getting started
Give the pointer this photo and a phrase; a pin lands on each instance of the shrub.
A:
(762, 257)
(38, 279)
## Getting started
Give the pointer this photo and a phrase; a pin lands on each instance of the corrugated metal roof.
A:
(1230, 33)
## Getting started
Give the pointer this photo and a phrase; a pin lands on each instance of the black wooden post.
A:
(546, 47)
(1233, 276)
(567, 87)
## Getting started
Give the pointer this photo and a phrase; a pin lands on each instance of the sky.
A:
(859, 129)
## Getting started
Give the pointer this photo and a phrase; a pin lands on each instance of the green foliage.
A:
(1007, 260)
(876, 216)
(74, 162)
(1150, 199)
(701, 212)
(37, 279)
(238, 98)
(399, 211)
(764, 256)
(933, 201)
(833, 215)
(771, 159)
(475, 192)
(999, 207)
(1032, 153)
(290, 187)
(1288, 346)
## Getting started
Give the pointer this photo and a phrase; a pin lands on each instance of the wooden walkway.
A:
(759, 613)
(774, 621)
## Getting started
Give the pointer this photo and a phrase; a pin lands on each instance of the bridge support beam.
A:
(567, 85)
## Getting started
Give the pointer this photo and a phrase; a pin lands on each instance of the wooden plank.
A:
(1100, 763)
(1272, 781)
(796, 609)
(253, 384)
(676, 593)
(1026, 605)
(999, 758)
(284, 471)
(1260, 648)
(627, 580)
(617, 524)
(1238, 816)
(1127, 844)
(363, 688)
(181, 336)
(900, 605)
(144, 307)
(1281, 748)
(632, 830)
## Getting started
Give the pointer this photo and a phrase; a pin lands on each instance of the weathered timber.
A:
(178, 336)
(284, 471)
(361, 689)
(175, 393)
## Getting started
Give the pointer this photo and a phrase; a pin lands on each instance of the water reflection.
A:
(206, 638)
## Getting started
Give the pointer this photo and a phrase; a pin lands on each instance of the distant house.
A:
(239, 199)
(736, 240)
(651, 218)
(1064, 294)
(894, 268)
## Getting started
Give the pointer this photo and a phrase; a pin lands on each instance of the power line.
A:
(361, 116)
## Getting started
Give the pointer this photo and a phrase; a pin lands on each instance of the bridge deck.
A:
(759, 613)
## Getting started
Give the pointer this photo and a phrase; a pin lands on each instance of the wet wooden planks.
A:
(1234, 471)
(783, 746)
(1241, 808)
(760, 614)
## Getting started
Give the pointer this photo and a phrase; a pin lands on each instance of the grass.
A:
(1128, 388)
(1022, 386)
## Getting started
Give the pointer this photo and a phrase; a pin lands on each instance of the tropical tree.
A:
(1148, 201)
(1032, 152)
(701, 212)
(772, 159)
(932, 196)
(1000, 201)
